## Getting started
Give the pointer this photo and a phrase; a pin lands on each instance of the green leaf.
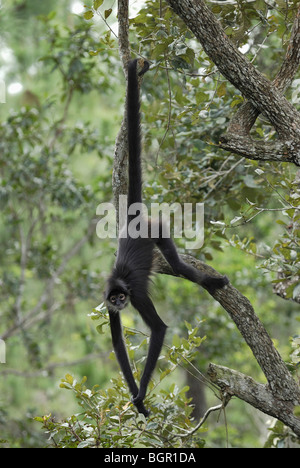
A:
(279, 221)
(221, 91)
(86, 443)
(69, 378)
(65, 385)
(107, 13)
(164, 374)
(39, 419)
(159, 49)
(97, 4)
(88, 15)
(201, 97)
(290, 291)
(237, 101)
(99, 328)
(176, 341)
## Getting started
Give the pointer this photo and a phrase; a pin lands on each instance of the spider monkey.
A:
(129, 280)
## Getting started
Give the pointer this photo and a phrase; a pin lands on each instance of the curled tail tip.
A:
(213, 282)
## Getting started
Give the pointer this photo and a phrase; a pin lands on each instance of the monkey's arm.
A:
(121, 353)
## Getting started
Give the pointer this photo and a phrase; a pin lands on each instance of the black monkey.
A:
(129, 280)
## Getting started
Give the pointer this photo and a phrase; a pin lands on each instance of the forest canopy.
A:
(221, 127)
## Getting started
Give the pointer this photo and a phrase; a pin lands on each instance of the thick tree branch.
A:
(257, 89)
(247, 114)
(280, 151)
(259, 396)
(237, 138)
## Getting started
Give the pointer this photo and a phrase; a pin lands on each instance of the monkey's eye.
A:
(122, 297)
(112, 298)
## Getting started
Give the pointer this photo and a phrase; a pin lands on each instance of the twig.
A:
(201, 422)
(169, 114)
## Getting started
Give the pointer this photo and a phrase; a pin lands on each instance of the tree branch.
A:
(257, 150)
(281, 384)
(237, 138)
(247, 114)
(258, 90)
(233, 383)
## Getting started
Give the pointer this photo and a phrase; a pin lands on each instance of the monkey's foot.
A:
(138, 403)
(214, 282)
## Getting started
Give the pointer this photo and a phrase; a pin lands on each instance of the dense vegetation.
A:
(57, 138)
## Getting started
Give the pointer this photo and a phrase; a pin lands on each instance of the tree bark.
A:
(257, 395)
(262, 95)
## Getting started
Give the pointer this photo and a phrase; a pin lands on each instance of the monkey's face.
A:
(118, 300)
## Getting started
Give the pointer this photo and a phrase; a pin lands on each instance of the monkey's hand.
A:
(143, 66)
(139, 404)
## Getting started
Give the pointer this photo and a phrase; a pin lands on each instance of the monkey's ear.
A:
(143, 65)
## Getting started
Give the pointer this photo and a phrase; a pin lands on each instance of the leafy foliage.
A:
(56, 148)
(108, 419)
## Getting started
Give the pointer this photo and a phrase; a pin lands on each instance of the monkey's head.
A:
(116, 295)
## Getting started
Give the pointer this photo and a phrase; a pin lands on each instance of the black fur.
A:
(133, 266)
(134, 137)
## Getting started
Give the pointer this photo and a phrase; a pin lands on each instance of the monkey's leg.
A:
(168, 249)
(158, 331)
